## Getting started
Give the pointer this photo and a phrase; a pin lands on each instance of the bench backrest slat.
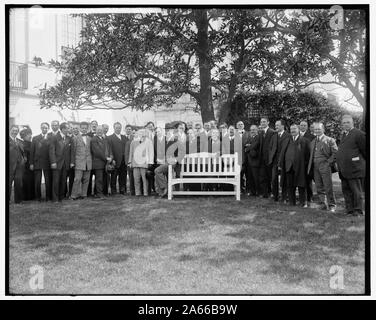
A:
(209, 165)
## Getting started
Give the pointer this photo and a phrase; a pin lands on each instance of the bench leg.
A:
(169, 186)
(237, 189)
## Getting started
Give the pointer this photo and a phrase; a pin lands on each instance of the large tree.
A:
(147, 60)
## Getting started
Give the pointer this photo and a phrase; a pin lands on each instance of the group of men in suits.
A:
(274, 162)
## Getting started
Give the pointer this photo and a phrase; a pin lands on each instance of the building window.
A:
(70, 30)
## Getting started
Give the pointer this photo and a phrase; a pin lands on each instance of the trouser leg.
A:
(302, 195)
(131, 180)
(275, 185)
(55, 184)
(122, 177)
(145, 182)
(37, 184)
(319, 184)
(161, 177)
(326, 174)
(137, 181)
(48, 183)
(99, 181)
(85, 181)
(63, 183)
(77, 184)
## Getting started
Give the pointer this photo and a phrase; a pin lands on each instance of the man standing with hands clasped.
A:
(352, 165)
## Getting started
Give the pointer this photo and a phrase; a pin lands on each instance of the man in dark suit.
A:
(351, 163)
(106, 175)
(321, 161)
(60, 159)
(40, 163)
(175, 152)
(305, 132)
(100, 152)
(117, 143)
(91, 134)
(277, 143)
(252, 155)
(265, 173)
(294, 162)
(54, 129)
(204, 138)
(243, 135)
(28, 174)
(129, 170)
(16, 164)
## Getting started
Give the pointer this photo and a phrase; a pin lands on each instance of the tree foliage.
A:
(149, 60)
(292, 107)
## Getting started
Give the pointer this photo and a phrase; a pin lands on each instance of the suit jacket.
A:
(244, 138)
(141, 154)
(117, 148)
(100, 151)
(265, 144)
(127, 148)
(81, 153)
(16, 154)
(328, 147)
(39, 154)
(276, 145)
(60, 151)
(204, 141)
(351, 155)
(159, 150)
(309, 136)
(27, 151)
(50, 135)
(295, 156)
(192, 146)
(215, 147)
(253, 151)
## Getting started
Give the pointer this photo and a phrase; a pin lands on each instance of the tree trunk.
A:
(202, 52)
(226, 107)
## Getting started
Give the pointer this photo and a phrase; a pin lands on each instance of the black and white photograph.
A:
(187, 150)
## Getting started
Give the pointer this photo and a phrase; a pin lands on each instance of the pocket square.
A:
(355, 159)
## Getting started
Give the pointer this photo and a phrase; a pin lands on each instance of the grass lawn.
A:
(190, 245)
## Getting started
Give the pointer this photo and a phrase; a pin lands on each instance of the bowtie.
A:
(83, 135)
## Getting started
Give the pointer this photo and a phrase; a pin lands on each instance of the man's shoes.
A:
(164, 194)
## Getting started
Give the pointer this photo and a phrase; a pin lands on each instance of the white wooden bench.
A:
(205, 167)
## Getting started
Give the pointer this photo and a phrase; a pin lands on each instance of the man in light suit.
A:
(60, 159)
(321, 161)
(40, 162)
(17, 162)
(82, 161)
(351, 163)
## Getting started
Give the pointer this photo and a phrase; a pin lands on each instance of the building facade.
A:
(38, 35)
